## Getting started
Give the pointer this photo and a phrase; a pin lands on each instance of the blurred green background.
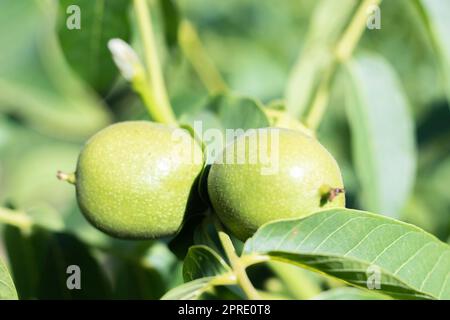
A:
(59, 86)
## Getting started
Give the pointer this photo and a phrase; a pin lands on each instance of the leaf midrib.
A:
(352, 259)
(249, 248)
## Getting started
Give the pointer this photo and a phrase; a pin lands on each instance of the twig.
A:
(196, 54)
(17, 219)
(158, 95)
(343, 51)
(236, 264)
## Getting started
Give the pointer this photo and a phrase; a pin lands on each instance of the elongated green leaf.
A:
(203, 262)
(180, 244)
(133, 281)
(206, 234)
(316, 55)
(238, 112)
(436, 15)
(347, 293)
(222, 113)
(227, 111)
(171, 17)
(197, 230)
(383, 144)
(418, 72)
(205, 288)
(204, 269)
(7, 289)
(65, 250)
(190, 290)
(24, 261)
(36, 84)
(364, 249)
(86, 48)
(40, 261)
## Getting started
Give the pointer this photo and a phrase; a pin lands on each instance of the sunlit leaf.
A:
(364, 249)
(7, 289)
(190, 290)
(383, 141)
(347, 293)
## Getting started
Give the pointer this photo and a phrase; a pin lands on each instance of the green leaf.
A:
(316, 55)
(358, 247)
(65, 250)
(190, 290)
(195, 289)
(180, 244)
(86, 48)
(26, 254)
(300, 284)
(436, 15)
(238, 112)
(347, 293)
(171, 17)
(203, 262)
(204, 269)
(28, 185)
(229, 111)
(7, 289)
(39, 263)
(222, 112)
(134, 281)
(36, 84)
(159, 257)
(418, 72)
(206, 234)
(383, 138)
(197, 230)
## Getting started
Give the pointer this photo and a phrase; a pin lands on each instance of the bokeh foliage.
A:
(387, 123)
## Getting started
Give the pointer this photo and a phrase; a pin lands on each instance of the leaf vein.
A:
(365, 237)
(314, 229)
(433, 269)
(441, 291)
(335, 231)
(389, 246)
(412, 257)
(287, 234)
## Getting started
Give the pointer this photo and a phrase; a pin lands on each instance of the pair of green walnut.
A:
(134, 180)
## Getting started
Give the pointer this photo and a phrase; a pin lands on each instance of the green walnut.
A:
(134, 179)
(302, 177)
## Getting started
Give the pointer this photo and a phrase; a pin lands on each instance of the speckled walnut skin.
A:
(133, 179)
(245, 199)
